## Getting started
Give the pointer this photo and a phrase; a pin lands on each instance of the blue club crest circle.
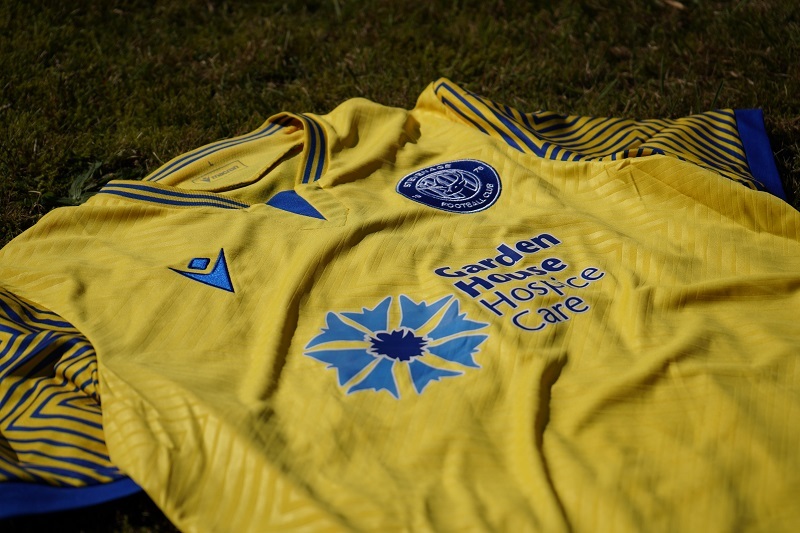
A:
(463, 186)
(369, 349)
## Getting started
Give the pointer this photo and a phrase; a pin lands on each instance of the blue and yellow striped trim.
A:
(315, 147)
(269, 128)
(708, 139)
(168, 196)
(316, 150)
(50, 416)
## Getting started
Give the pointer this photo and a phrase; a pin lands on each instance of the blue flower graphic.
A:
(369, 348)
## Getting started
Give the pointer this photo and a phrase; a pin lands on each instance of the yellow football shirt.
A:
(452, 318)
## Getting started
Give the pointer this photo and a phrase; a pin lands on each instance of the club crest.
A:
(463, 186)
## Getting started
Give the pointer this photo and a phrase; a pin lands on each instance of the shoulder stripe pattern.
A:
(473, 115)
(709, 139)
(269, 128)
(171, 197)
(50, 416)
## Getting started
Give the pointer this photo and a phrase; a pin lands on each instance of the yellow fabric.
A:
(634, 365)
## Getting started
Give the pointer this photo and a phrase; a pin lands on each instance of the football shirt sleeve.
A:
(52, 448)
(732, 143)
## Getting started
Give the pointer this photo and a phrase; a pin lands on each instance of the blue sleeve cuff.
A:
(18, 499)
(753, 134)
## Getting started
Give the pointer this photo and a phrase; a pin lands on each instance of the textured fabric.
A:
(458, 317)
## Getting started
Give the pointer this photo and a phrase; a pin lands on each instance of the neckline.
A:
(246, 171)
(278, 138)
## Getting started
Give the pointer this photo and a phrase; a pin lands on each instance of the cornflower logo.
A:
(371, 348)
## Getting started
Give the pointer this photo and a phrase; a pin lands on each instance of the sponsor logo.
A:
(398, 341)
(219, 173)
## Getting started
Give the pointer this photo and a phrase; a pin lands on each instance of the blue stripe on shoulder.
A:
(477, 112)
(526, 139)
(322, 151)
(312, 149)
(316, 150)
(455, 108)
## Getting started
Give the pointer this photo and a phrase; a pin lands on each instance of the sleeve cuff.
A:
(760, 159)
(18, 499)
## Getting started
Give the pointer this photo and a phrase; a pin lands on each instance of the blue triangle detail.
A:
(294, 203)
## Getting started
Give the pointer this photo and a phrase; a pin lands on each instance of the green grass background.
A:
(92, 91)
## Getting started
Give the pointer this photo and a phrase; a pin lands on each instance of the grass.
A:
(102, 90)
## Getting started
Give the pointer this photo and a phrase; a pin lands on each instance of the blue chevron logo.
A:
(218, 277)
